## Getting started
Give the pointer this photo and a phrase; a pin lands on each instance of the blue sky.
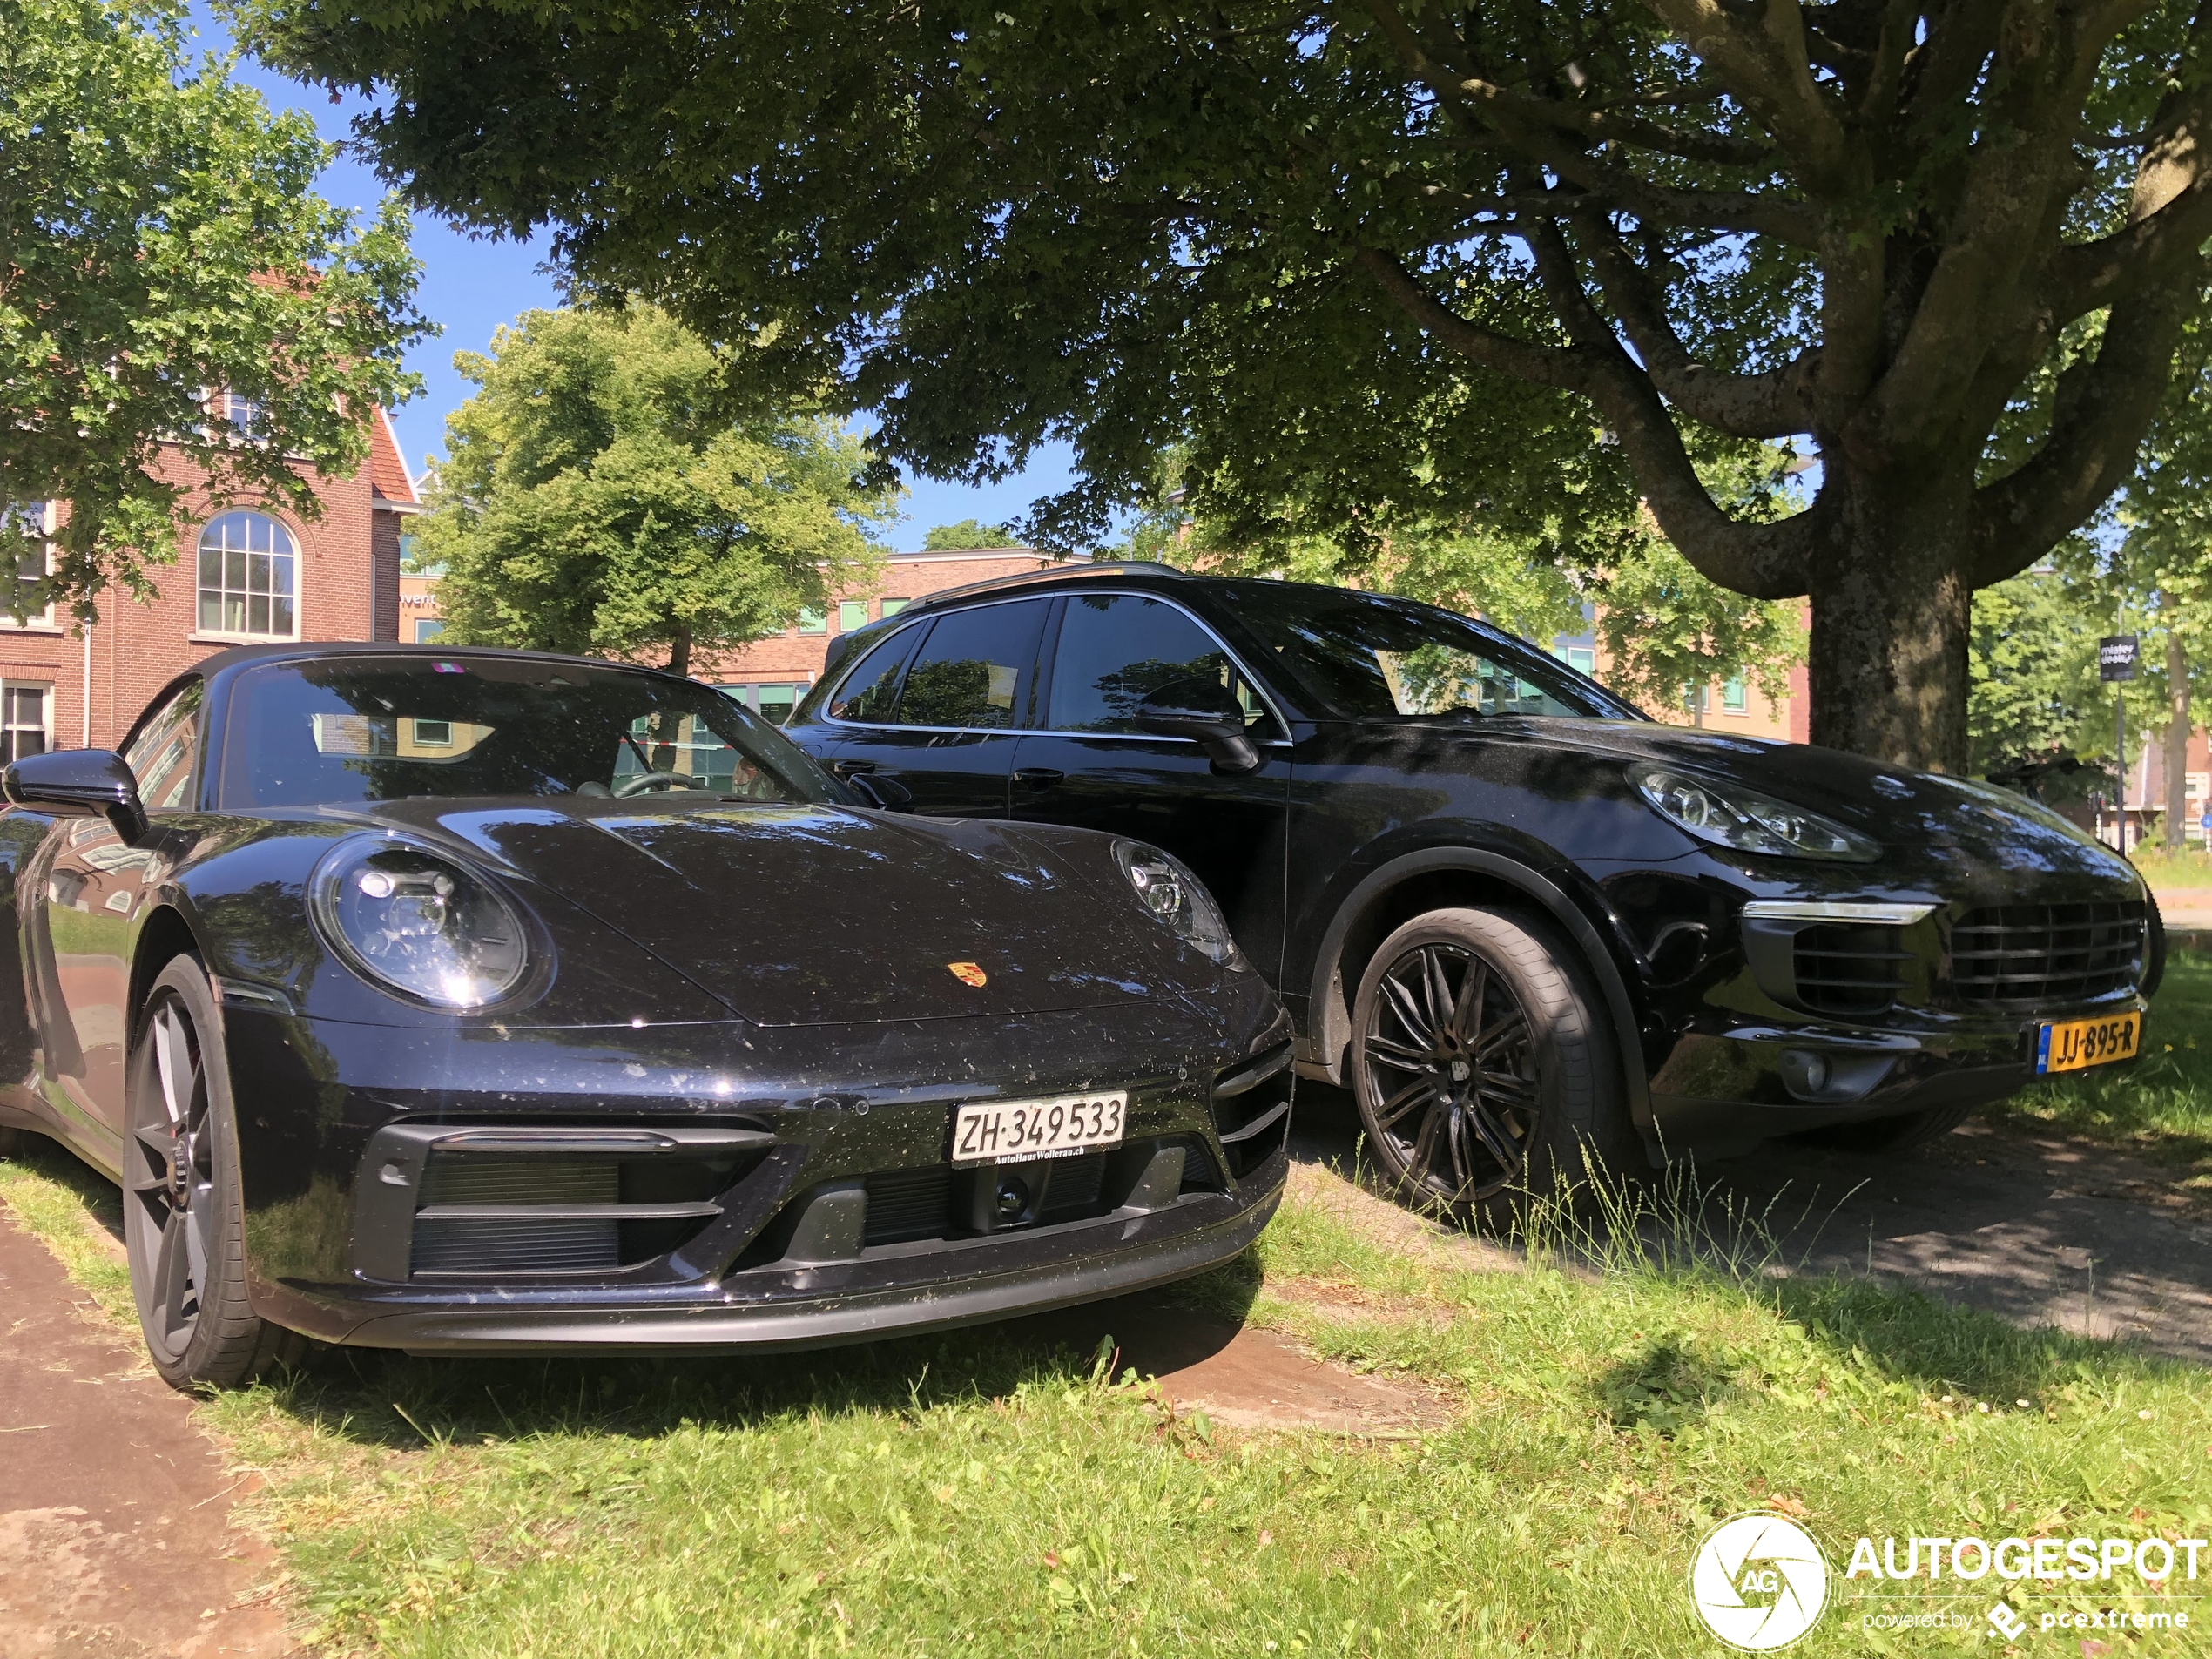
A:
(471, 285)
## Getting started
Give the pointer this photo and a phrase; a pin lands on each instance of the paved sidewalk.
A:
(115, 1535)
(2043, 1230)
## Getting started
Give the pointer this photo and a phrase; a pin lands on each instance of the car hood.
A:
(806, 915)
(1929, 825)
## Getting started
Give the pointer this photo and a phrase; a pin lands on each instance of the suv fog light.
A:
(1803, 1073)
(1013, 1199)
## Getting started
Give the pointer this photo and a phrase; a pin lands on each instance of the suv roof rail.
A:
(1054, 573)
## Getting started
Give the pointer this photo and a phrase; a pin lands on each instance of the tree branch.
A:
(1761, 561)
(2092, 274)
(1771, 405)
(2103, 408)
(1764, 63)
(1545, 365)
(1526, 122)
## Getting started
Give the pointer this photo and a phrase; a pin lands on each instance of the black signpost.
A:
(2116, 655)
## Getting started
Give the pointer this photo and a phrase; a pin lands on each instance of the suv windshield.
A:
(1368, 654)
(339, 730)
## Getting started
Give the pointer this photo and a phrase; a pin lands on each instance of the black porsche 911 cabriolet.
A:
(474, 1000)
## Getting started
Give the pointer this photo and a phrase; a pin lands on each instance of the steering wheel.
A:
(644, 782)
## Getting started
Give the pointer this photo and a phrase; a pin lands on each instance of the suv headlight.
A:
(1172, 896)
(1749, 821)
(412, 921)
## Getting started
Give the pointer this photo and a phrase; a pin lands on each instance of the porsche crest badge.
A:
(969, 974)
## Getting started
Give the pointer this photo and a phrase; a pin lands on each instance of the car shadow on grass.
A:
(383, 1397)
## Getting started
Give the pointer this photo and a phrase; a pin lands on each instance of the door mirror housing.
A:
(1206, 712)
(78, 783)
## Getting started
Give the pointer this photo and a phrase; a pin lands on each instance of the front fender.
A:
(1329, 1004)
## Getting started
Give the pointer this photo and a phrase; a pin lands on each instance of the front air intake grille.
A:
(1841, 969)
(493, 1215)
(1251, 1109)
(2035, 955)
(1073, 1188)
(476, 1243)
(906, 1204)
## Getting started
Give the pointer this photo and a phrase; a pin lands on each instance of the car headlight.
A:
(1170, 894)
(414, 921)
(1749, 821)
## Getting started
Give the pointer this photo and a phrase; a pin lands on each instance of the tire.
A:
(1446, 991)
(184, 1215)
(11, 1143)
(1894, 1134)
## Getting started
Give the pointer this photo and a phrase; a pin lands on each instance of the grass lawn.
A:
(975, 1495)
(2162, 1106)
(2183, 871)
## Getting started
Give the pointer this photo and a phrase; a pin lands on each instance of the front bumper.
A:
(720, 1185)
(1728, 1085)
(896, 1292)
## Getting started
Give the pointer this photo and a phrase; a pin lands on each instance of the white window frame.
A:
(10, 726)
(40, 621)
(298, 597)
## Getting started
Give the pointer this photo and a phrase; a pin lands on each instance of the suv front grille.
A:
(1844, 969)
(2032, 954)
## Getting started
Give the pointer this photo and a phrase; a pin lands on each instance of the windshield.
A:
(1367, 655)
(341, 729)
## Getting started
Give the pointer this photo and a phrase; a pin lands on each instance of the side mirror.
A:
(1207, 711)
(78, 783)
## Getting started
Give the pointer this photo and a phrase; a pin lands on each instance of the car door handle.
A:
(851, 768)
(1039, 777)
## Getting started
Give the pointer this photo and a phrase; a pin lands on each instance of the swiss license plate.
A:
(1021, 1131)
(2069, 1045)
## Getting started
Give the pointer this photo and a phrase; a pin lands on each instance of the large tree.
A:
(1952, 242)
(162, 247)
(611, 490)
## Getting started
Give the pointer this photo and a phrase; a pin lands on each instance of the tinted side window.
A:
(871, 691)
(1117, 649)
(164, 758)
(974, 669)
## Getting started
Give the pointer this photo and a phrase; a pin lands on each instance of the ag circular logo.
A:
(1759, 1582)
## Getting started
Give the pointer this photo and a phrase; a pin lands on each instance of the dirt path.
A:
(115, 1535)
(2043, 1231)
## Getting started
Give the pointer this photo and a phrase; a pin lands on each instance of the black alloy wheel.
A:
(1483, 1071)
(172, 1180)
(1447, 1044)
(183, 1220)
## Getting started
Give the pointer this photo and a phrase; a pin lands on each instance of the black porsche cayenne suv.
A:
(1507, 910)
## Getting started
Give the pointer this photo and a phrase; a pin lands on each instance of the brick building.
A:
(771, 674)
(245, 576)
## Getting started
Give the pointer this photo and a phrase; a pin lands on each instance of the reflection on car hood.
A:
(1921, 818)
(804, 915)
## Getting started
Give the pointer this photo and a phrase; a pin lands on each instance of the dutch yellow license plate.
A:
(2070, 1045)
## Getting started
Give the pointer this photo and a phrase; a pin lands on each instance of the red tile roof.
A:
(386, 467)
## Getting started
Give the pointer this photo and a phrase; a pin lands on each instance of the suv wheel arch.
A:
(1329, 1006)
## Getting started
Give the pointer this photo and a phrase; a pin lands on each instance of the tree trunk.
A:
(680, 651)
(1892, 612)
(2177, 743)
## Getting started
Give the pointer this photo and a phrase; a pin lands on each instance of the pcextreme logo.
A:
(1759, 1582)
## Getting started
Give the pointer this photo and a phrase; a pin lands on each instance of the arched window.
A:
(248, 572)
